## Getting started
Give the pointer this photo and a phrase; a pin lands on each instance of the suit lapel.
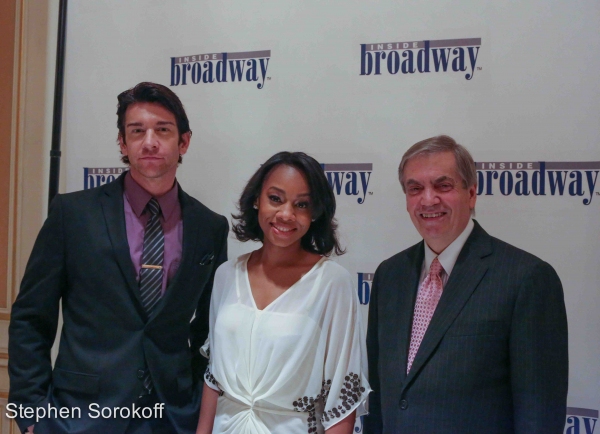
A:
(192, 238)
(408, 281)
(114, 217)
(471, 265)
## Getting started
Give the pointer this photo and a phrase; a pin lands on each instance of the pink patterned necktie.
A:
(427, 299)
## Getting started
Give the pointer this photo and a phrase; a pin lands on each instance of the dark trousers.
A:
(153, 425)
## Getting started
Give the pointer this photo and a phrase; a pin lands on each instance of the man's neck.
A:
(449, 254)
(155, 186)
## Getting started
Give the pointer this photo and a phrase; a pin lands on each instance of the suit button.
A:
(403, 404)
(140, 373)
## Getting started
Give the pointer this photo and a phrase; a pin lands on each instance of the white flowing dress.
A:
(297, 366)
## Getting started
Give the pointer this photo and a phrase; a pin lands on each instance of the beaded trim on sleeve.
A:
(211, 379)
(307, 404)
(349, 396)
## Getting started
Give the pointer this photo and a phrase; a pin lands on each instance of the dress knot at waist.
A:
(251, 407)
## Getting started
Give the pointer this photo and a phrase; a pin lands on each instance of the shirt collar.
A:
(138, 197)
(450, 254)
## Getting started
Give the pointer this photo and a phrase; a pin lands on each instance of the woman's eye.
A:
(303, 205)
(274, 198)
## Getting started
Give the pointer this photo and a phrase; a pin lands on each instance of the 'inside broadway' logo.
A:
(539, 178)
(446, 55)
(248, 66)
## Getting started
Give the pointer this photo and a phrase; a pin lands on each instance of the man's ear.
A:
(472, 196)
(184, 142)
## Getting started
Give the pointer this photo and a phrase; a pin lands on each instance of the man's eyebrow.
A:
(443, 179)
(139, 124)
(412, 181)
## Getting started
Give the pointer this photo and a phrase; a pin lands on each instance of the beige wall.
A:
(27, 53)
(8, 28)
(7, 63)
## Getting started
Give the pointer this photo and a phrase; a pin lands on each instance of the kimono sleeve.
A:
(345, 386)
(205, 350)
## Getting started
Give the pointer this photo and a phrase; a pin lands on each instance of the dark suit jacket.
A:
(81, 256)
(494, 358)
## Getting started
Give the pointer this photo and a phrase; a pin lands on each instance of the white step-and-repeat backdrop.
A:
(354, 84)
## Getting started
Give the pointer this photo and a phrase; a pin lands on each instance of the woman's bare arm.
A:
(208, 409)
(344, 426)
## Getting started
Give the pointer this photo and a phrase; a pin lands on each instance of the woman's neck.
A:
(274, 256)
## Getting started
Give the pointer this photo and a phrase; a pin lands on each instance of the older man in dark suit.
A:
(133, 263)
(467, 334)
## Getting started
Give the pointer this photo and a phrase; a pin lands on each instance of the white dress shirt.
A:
(448, 257)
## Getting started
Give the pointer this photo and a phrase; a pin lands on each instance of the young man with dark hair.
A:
(132, 263)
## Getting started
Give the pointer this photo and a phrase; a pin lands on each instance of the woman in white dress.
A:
(286, 347)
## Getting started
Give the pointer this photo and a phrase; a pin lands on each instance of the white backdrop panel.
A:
(535, 98)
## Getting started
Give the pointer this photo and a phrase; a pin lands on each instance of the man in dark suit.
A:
(467, 334)
(133, 264)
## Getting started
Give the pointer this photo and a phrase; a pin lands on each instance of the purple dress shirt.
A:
(135, 199)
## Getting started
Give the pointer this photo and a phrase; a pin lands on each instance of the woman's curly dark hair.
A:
(321, 237)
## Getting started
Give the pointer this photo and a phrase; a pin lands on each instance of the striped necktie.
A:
(151, 274)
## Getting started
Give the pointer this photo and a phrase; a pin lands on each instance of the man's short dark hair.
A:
(154, 93)
(321, 237)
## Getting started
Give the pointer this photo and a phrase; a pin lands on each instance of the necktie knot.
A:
(436, 268)
(153, 207)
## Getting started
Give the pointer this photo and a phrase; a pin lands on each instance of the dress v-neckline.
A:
(267, 307)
